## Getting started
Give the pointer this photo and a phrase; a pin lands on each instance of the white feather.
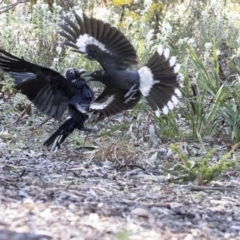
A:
(165, 110)
(85, 40)
(146, 80)
(157, 112)
(81, 108)
(172, 61)
(177, 92)
(100, 106)
(174, 99)
(166, 53)
(170, 105)
(177, 68)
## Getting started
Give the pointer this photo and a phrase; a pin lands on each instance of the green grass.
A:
(201, 169)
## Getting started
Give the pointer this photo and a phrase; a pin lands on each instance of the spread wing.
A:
(49, 91)
(111, 101)
(99, 41)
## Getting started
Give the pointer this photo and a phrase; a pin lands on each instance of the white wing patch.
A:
(177, 68)
(85, 40)
(177, 92)
(165, 110)
(81, 108)
(157, 112)
(174, 99)
(170, 105)
(100, 106)
(166, 53)
(172, 61)
(146, 80)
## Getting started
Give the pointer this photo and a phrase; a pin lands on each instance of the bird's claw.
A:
(131, 93)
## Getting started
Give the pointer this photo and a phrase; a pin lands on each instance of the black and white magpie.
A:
(157, 81)
(52, 94)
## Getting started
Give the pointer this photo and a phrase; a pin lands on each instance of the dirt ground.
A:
(72, 194)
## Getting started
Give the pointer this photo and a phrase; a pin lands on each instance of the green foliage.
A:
(20, 102)
(202, 169)
(208, 100)
(201, 96)
(167, 125)
(6, 86)
(205, 41)
(123, 235)
(114, 129)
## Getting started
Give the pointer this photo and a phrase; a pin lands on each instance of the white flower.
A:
(149, 34)
(103, 14)
(31, 43)
(204, 14)
(167, 27)
(148, 3)
(22, 43)
(208, 46)
(59, 49)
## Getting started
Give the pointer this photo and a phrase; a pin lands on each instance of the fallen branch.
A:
(204, 188)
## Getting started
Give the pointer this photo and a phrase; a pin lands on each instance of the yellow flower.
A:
(155, 7)
(121, 2)
(134, 15)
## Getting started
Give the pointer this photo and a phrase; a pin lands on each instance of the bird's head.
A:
(74, 74)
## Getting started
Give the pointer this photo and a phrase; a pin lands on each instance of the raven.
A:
(52, 94)
(158, 81)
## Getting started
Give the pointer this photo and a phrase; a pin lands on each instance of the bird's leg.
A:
(88, 131)
(131, 93)
(85, 139)
(131, 90)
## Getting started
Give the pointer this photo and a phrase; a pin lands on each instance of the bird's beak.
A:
(86, 75)
(81, 71)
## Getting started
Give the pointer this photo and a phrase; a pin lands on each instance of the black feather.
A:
(51, 92)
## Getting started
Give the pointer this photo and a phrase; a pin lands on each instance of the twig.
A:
(136, 166)
(46, 120)
(204, 188)
(7, 199)
(157, 204)
(11, 6)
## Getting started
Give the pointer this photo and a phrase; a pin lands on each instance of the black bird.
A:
(158, 80)
(52, 94)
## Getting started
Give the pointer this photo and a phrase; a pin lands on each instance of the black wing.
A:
(111, 101)
(99, 41)
(49, 91)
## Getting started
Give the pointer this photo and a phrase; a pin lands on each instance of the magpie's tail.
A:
(159, 81)
(59, 136)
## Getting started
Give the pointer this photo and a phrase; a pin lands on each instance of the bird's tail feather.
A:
(159, 81)
(59, 136)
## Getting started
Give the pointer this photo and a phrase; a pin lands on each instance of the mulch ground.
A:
(73, 194)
